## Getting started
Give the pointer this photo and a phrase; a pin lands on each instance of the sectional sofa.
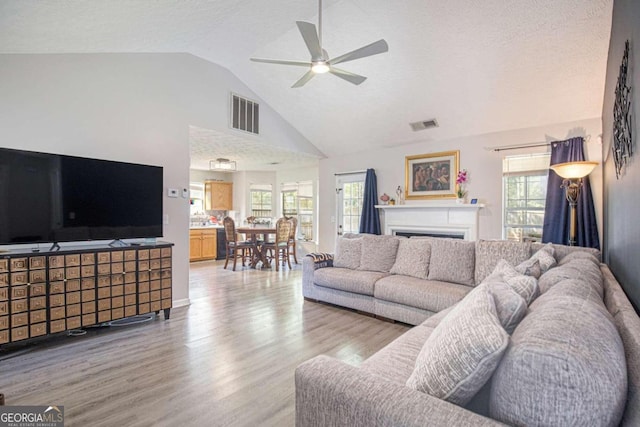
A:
(512, 334)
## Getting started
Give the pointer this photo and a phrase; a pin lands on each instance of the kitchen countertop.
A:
(201, 227)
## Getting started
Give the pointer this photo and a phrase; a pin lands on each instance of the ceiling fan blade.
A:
(374, 48)
(304, 79)
(282, 62)
(310, 36)
(356, 79)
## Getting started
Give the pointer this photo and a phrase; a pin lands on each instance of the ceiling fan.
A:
(320, 62)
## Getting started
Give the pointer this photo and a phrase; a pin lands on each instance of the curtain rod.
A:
(349, 173)
(586, 140)
(515, 147)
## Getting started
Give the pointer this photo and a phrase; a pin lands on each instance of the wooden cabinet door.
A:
(209, 243)
(195, 245)
(218, 195)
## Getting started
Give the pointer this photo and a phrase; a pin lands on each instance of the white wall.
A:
(127, 107)
(485, 170)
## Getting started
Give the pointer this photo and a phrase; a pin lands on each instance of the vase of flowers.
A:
(461, 181)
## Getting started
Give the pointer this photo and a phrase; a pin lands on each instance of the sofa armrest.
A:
(330, 392)
(310, 264)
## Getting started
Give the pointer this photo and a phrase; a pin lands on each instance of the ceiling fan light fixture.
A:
(320, 67)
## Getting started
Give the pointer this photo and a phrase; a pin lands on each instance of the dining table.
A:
(253, 232)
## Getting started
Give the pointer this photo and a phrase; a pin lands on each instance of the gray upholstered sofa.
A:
(404, 279)
(529, 343)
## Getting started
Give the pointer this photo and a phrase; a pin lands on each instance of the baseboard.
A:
(180, 302)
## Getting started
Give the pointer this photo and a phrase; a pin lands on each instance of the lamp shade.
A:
(574, 170)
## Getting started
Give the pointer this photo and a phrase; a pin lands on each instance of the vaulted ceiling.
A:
(477, 67)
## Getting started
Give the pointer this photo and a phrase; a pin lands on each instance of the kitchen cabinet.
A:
(202, 244)
(218, 195)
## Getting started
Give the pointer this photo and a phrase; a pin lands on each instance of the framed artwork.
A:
(431, 176)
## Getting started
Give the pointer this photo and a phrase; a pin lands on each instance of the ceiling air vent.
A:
(426, 124)
(245, 114)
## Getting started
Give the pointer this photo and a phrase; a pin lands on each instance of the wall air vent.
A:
(426, 124)
(245, 114)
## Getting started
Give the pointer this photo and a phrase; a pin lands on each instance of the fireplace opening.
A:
(430, 234)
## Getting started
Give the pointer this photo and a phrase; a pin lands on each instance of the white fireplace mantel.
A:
(438, 218)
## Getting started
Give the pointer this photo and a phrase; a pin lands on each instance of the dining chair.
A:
(236, 249)
(291, 243)
(280, 247)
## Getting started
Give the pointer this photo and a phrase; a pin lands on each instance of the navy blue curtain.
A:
(370, 219)
(556, 212)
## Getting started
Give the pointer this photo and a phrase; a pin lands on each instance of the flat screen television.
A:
(55, 198)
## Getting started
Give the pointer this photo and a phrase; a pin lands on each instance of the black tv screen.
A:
(56, 198)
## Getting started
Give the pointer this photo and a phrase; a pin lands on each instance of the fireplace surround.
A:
(438, 219)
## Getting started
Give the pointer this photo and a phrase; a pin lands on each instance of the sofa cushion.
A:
(345, 279)
(378, 252)
(510, 306)
(431, 295)
(579, 255)
(489, 252)
(565, 366)
(348, 253)
(396, 361)
(525, 286)
(412, 258)
(462, 352)
(560, 251)
(575, 288)
(586, 269)
(452, 260)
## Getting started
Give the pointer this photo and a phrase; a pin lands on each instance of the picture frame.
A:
(431, 176)
(474, 201)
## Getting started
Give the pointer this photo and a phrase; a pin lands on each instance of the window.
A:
(261, 206)
(297, 201)
(290, 202)
(525, 191)
(350, 197)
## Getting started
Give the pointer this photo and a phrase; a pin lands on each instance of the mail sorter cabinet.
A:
(68, 289)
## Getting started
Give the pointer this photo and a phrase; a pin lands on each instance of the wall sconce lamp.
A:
(573, 172)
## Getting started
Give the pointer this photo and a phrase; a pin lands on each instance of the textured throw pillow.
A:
(565, 366)
(545, 257)
(525, 286)
(412, 258)
(510, 306)
(378, 252)
(530, 267)
(462, 352)
(452, 260)
(348, 253)
(489, 252)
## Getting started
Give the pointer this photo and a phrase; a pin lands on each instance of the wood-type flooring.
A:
(228, 359)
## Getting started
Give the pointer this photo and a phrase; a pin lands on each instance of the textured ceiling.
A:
(248, 152)
(477, 67)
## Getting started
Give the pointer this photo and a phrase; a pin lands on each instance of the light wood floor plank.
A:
(226, 360)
